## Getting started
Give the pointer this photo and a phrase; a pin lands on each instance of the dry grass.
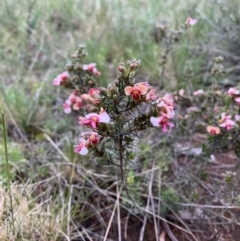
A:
(27, 220)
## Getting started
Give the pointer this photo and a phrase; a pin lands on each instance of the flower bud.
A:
(131, 81)
(162, 29)
(103, 91)
(219, 59)
(112, 89)
(115, 96)
(77, 66)
(75, 79)
(121, 68)
(92, 108)
(218, 69)
(69, 67)
(90, 82)
(134, 64)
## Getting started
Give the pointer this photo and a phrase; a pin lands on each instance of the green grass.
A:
(112, 32)
(38, 38)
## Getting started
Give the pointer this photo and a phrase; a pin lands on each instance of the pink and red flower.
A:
(93, 119)
(82, 147)
(87, 140)
(226, 122)
(168, 100)
(213, 130)
(162, 121)
(151, 95)
(93, 96)
(92, 138)
(61, 79)
(92, 69)
(167, 110)
(136, 91)
(73, 102)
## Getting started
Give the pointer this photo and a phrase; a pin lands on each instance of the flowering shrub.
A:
(116, 114)
(215, 111)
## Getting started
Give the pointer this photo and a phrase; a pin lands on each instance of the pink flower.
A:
(190, 21)
(136, 92)
(213, 130)
(73, 102)
(94, 92)
(89, 99)
(168, 100)
(181, 92)
(89, 67)
(67, 107)
(81, 148)
(233, 92)
(166, 110)
(77, 104)
(226, 122)
(96, 72)
(237, 117)
(198, 92)
(162, 121)
(93, 96)
(92, 68)
(92, 138)
(151, 95)
(224, 117)
(72, 96)
(237, 99)
(93, 119)
(76, 100)
(61, 79)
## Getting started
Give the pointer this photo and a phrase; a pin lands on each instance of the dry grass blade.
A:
(56, 147)
(148, 212)
(169, 231)
(113, 213)
(150, 184)
(144, 220)
(1, 204)
(119, 218)
(69, 210)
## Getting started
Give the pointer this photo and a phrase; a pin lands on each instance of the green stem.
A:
(120, 138)
(7, 162)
